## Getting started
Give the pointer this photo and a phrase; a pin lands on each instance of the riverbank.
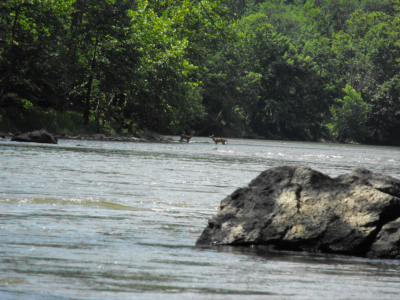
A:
(155, 138)
(118, 138)
(106, 137)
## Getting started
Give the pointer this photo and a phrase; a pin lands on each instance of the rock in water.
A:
(300, 209)
(37, 136)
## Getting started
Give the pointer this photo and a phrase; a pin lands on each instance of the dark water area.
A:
(113, 220)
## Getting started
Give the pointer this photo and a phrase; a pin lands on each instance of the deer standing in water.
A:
(222, 141)
(186, 137)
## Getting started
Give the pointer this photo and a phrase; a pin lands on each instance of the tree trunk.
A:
(86, 112)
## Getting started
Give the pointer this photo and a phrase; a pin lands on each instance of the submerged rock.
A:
(37, 136)
(300, 209)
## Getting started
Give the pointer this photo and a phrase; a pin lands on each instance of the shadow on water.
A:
(314, 265)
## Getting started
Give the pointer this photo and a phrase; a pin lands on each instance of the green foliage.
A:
(350, 117)
(128, 63)
(69, 122)
(368, 52)
(231, 67)
(288, 19)
(30, 49)
(288, 105)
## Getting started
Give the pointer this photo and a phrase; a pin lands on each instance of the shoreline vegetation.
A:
(68, 126)
(149, 138)
(295, 70)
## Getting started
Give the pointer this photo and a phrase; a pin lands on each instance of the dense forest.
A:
(280, 69)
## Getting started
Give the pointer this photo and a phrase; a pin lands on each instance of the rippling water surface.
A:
(112, 220)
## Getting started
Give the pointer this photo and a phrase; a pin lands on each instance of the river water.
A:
(113, 220)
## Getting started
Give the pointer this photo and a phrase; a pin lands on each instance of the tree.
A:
(32, 56)
(99, 31)
(160, 88)
(230, 92)
(128, 63)
(350, 117)
(289, 104)
(368, 52)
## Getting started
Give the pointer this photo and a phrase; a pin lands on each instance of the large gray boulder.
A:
(300, 209)
(37, 136)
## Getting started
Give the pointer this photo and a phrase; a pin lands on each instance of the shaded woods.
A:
(295, 69)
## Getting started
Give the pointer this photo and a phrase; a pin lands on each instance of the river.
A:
(113, 220)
